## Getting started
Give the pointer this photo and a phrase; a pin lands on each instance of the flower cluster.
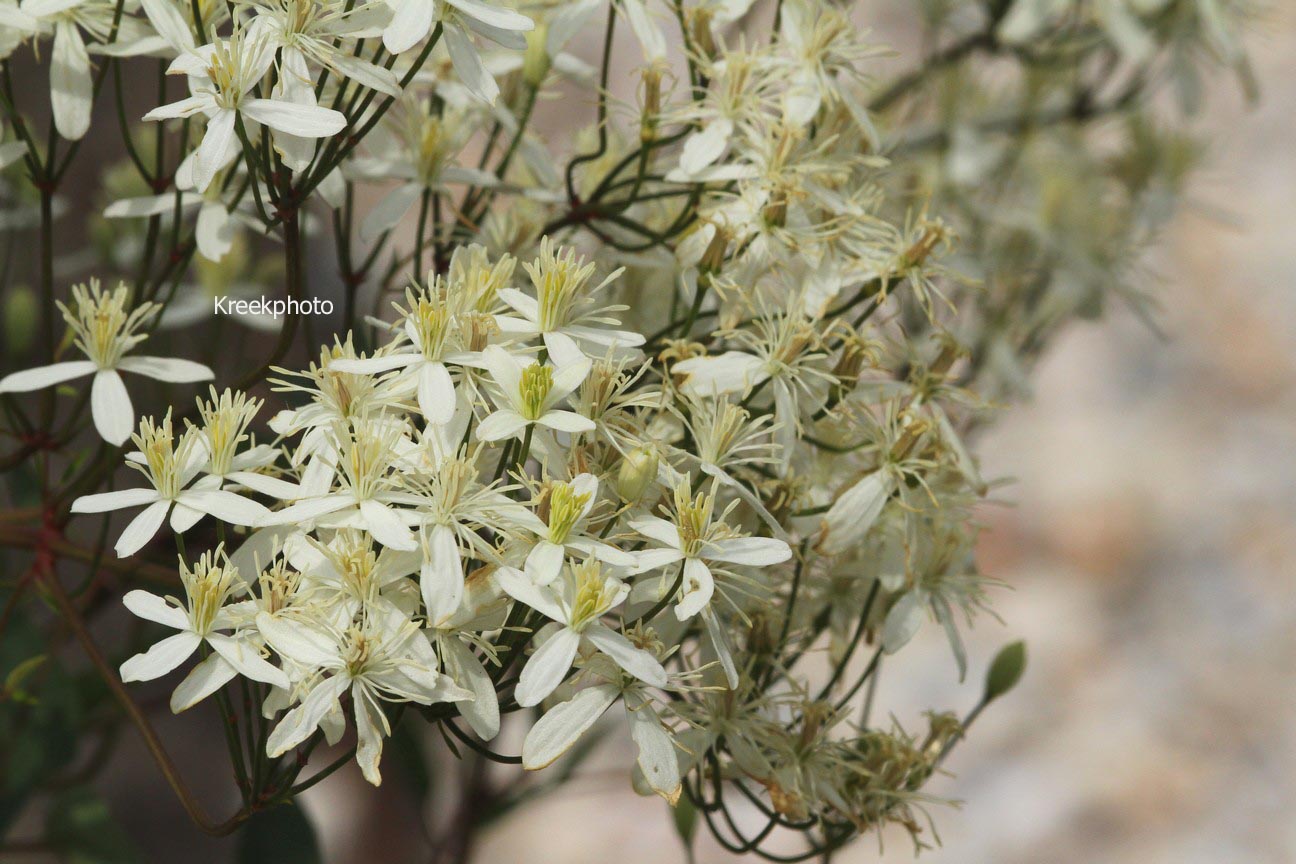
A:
(662, 414)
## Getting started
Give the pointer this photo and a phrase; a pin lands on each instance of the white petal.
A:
(495, 16)
(183, 518)
(369, 739)
(161, 658)
(299, 642)
(386, 526)
(45, 376)
(754, 551)
(555, 732)
(436, 393)
(217, 149)
(71, 85)
(203, 680)
(153, 608)
(547, 667)
(307, 121)
(408, 27)
(705, 147)
(720, 643)
(730, 372)
(902, 622)
(214, 231)
(468, 65)
(441, 578)
(141, 529)
(167, 369)
(298, 724)
(566, 421)
(544, 562)
(225, 506)
(247, 660)
(102, 502)
(518, 586)
(388, 212)
(482, 712)
(696, 591)
(110, 406)
(636, 661)
(657, 758)
(500, 425)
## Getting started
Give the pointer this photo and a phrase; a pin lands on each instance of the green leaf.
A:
(1005, 671)
(81, 827)
(685, 817)
(280, 835)
(13, 682)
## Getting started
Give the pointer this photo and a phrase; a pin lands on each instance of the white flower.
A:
(221, 78)
(531, 395)
(71, 80)
(105, 331)
(700, 543)
(383, 658)
(564, 312)
(577, 604)
(566, 507)
(696, 539)
(412, 20)
(200, 619)
(564, 724)
(169, 466)
(367, 492)
(431, 328)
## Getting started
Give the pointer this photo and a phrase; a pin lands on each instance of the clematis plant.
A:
(628, 373)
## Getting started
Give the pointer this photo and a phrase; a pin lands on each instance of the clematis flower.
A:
(200, 619)
(562, 726)
(560, 528)
(105, 331)
(530, 396)
(221, 77)
(701, 542)
(412, 20)
(383, 658)
(170, 466)
(577, 604)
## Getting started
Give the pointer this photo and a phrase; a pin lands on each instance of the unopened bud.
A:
(703, 36)
(638, 471)
(536, 62)
(652, 80)
(20, 314)
(714, 256)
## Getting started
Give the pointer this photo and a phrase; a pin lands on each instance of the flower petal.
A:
(161, 658)
(636, 661)
(111, 408)
(153, 608)
(45, 376)
(547, 667)
(141, 529)
(560, 728)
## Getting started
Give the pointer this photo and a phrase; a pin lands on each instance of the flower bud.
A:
(20, 319)
(652, 79)
(638, 471)
(536, 61)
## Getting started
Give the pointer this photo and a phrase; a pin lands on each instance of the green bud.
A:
(638, 470)
(536, 62)
(20, 321)
(1005, 671)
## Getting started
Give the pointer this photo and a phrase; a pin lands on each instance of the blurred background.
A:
(1148, 546)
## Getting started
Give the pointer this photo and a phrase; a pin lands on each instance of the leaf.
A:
(280, 835)
(685, 817)
(1005, 671)
(81, 827)
(14, 680)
